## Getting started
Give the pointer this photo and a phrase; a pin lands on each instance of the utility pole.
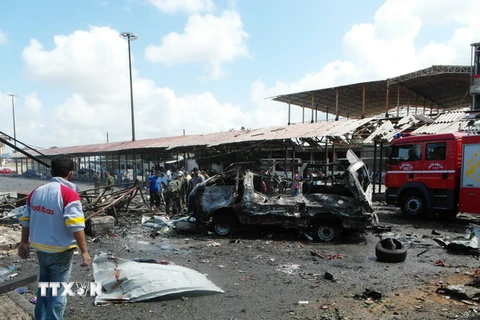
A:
(14, 130)
(130, 37)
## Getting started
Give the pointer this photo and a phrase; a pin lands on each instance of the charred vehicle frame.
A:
(232, 198)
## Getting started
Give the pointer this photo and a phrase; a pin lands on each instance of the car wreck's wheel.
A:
(223, 225)
(413, 204)
(390, 250)
(327, 231)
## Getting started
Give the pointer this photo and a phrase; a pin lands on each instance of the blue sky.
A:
(204, 65)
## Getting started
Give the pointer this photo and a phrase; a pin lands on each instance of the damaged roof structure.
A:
(430, 100)
(433, 89)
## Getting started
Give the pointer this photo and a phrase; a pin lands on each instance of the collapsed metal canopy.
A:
(436, 87)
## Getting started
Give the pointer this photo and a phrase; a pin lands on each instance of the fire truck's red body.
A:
(438, 173)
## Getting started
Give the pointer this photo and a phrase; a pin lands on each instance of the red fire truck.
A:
(434, 174)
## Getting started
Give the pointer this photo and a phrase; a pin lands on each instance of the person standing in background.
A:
(109, 181)
(155, 188)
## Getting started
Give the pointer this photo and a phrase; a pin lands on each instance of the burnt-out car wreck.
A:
(232, 199)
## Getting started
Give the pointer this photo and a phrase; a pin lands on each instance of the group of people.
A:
(272, 184)
(53, 224)
(173, 188)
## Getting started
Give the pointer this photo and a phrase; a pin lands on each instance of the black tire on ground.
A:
(390, 250)
(413, 204)
(326, 231)
(223, 224)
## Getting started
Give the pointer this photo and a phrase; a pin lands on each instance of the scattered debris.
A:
(185, 224)
(369, 294)
(463, 244)
(99, 226)
(10, 237)
(474, 283)
(11, 204)
(111, 202)
(13, 214)
(328, 276)
(288, 268)
(335, 255)
(424, 251)
(460, 292)
(156, 222)
(7, 273)
(94, 201)
(21, 290)
(440, 263)
(130, 281)
(317, 254)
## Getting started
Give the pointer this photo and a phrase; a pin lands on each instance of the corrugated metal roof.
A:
(381, 131)
(424, 118)
(450, 117)
(448, 122)
(308, 130)
(438, 128)
(445, 123)
(204, 139)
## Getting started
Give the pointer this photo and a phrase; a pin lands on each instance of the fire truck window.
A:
(394, 157)
(411, 152)
(436, 151)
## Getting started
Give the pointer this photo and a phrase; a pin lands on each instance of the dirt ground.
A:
(278, 274)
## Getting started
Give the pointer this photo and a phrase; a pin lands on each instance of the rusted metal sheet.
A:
(320, 130)
(306, 130)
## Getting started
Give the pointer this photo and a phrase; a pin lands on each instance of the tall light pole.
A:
(14, 131)
(130, 37)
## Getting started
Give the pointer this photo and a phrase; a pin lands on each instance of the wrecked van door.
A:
(359, 182)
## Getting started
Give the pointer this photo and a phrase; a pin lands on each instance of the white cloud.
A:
(33, 105)
(188, 6)
(387, 48)
(200, 43)
(390, 46)
(93, 66)
(90, 67)
(3, 38)
(84, 61)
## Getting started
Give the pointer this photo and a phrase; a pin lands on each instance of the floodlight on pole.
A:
(130, 37)
(13, 96)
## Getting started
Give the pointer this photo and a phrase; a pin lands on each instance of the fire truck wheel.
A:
(390, 250)
(413, 204)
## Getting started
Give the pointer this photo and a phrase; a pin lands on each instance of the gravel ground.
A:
(251, 268)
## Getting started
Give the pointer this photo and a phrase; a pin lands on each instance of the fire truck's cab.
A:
(423, 174)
